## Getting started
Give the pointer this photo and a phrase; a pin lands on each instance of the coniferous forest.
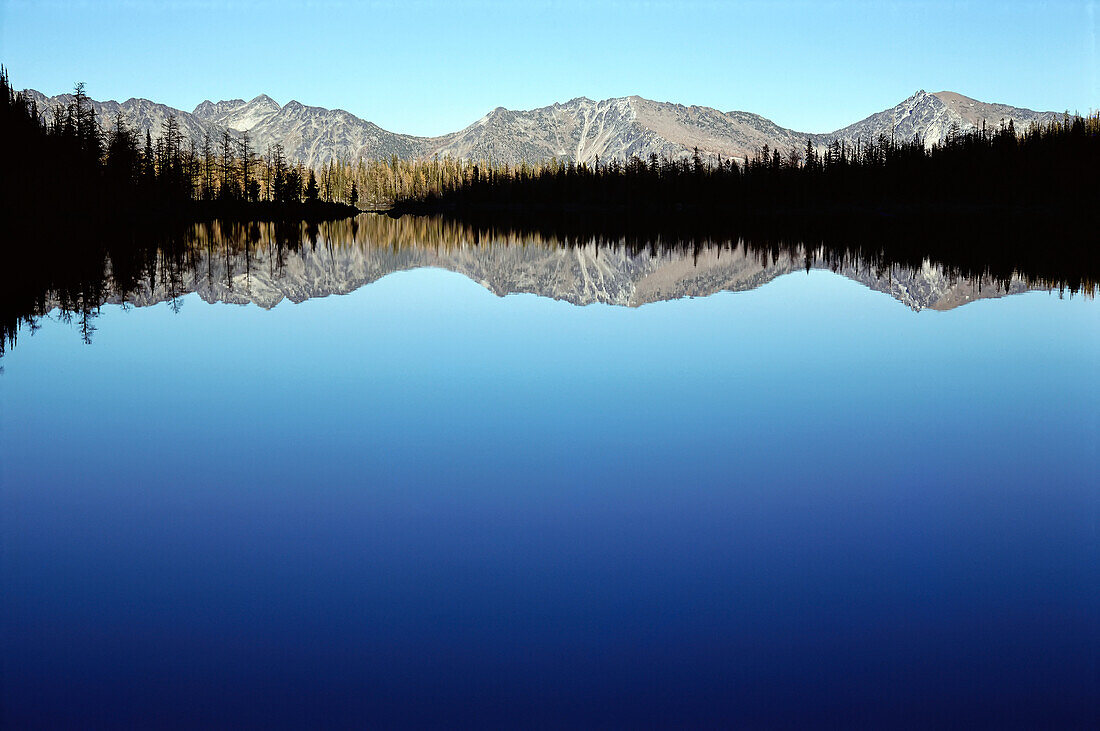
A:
(60, 162)
(66, 160)
(984, 197)
(1041, 168)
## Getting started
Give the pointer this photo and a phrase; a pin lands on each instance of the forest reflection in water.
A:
(264, 263)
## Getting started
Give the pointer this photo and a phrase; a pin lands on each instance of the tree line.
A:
(65, 159)
(1043, 165)
(62, 161)
(380, 183)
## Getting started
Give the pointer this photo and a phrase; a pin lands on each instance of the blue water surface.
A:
(421, 504)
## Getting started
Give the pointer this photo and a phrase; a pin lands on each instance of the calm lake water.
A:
(453, 496)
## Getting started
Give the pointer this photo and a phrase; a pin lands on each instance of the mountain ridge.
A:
(578, 130)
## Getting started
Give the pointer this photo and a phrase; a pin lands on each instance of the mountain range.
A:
(578, 130)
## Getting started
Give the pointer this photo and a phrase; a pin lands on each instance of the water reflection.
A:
(419, 506)
(265, 263)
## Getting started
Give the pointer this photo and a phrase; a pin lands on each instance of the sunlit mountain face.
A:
(580, 129)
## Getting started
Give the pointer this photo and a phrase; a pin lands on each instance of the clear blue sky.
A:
(431, 67)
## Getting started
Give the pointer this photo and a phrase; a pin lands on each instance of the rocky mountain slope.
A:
(578, 130)
(311, 134)
(932, 117)
(140, 114)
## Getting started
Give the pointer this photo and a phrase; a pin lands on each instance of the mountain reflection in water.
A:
(264, 263)
(420, 506)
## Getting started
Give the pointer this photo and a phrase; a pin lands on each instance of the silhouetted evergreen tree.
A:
(312, 192)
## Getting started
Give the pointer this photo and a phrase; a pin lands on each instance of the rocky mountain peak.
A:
(263, 100)
(237, 114)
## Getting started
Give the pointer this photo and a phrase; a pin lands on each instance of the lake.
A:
(395, 473)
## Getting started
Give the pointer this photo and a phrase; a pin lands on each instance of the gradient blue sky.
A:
(433, 67)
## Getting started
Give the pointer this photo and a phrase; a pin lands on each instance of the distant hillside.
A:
(578, 130)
